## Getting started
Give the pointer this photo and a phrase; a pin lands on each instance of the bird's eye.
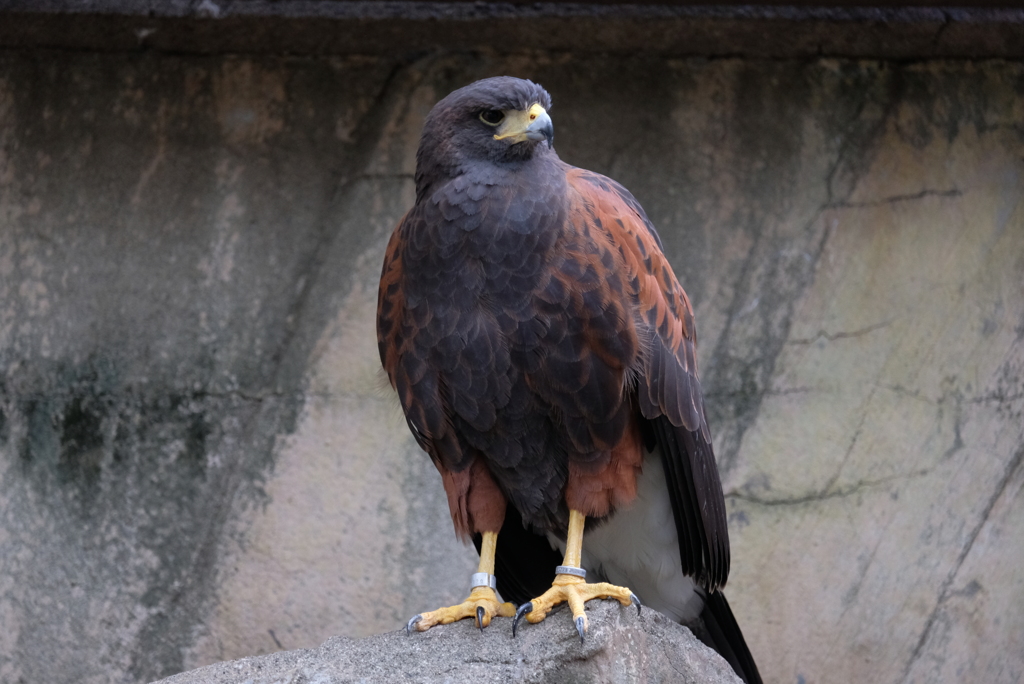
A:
(492, 117)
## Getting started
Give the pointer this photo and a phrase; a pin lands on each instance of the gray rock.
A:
(620, 647)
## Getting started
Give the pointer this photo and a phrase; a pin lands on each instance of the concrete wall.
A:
(199, 459)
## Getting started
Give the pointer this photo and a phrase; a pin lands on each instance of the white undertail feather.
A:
(638, 548)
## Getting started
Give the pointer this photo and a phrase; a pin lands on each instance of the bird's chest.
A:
(483, 246)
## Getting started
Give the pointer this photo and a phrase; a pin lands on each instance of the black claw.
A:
(579, 628)
(412, 623)
(636, 602)
(523, 610)
(480, 617)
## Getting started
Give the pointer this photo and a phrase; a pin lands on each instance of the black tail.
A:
(722, 633)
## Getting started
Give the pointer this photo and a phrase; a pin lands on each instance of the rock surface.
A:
(620, 647)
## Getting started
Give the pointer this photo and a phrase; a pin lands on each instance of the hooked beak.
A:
(541, 128)
(532, 124)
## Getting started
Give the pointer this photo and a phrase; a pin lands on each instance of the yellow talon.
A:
(570, 588)
(482, 604)
(481, 598)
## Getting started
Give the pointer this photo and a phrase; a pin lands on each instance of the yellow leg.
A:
(571, 586)
(482, 603)
(574, 539)
(488, 546)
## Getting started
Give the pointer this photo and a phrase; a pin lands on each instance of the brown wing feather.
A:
(390, 302)
(475, 502)
(407, 372)
(668, 389)
(662, 307)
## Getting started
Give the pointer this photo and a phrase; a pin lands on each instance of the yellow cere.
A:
(516, 122)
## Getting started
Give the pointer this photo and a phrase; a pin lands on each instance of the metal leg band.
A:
(482, 579)
(570, 570)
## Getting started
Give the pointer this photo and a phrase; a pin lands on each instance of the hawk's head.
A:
(497, 121)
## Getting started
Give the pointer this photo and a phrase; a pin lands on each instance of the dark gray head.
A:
(500, 120)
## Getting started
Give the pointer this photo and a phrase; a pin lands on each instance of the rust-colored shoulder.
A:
(668, 390)
(669, 384)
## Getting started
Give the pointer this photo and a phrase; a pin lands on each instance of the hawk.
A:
(544, 355)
